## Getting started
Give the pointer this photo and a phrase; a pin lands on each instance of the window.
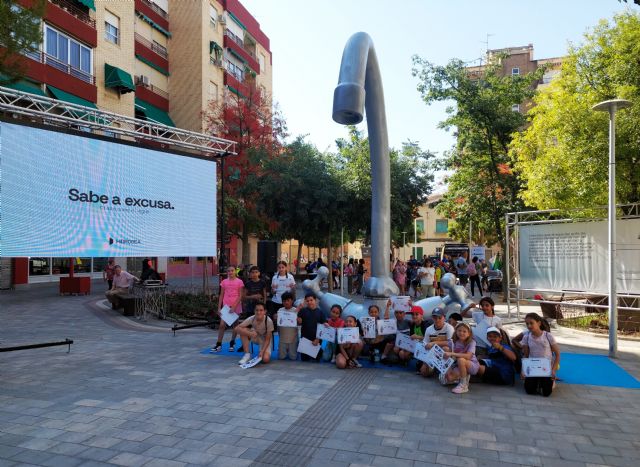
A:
(213, 91)
(263, 60)
(442, 226)
(515, 71)
(420, 225)
(419, 253)
(213, 17)
(515, 108)
(179, 259)
(111, 27)
(39, 266)
(63, 51)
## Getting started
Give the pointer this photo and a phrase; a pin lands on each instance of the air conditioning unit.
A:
(222, 20)
(218, 63)
(144, 81)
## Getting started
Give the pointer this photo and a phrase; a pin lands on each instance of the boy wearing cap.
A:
(402, 326)
(498, 368)
(440, 332)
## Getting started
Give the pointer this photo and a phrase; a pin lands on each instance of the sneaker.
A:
(442, 377)
(357, 363)
(461, 388)
(333, 359)
(232, 346)
(245, 359)
(217, 348)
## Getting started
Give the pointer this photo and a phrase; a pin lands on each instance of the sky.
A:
(307, 40)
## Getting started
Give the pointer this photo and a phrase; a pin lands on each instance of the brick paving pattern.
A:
(132, 398)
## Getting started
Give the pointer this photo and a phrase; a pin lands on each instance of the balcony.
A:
(152, 88)
(46, 59)
(152, 94)
(73, 9)
(156, 9)
(233, 42)
(152, 45)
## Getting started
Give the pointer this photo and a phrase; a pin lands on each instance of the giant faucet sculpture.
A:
(359, 88)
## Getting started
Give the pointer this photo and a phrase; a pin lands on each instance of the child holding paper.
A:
(464, 351)
(259, 330)
(288, 336)
(334, 321)
(308, 318)
(498, 366)
(231, 296)
(440, 332)
(539, 344)
(402, 326)
(484, 320)
(348, 354)
(376, 343)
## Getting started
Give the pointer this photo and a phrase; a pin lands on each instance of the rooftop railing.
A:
(73, 9)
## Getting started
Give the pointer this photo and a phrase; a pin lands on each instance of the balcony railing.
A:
(153, 45)
(71, 8)
(62, 66)
(240, 42)
(152, 88)
(234, 70)
(156, 8)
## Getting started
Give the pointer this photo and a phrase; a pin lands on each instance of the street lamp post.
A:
(612, 106)
(404, 245)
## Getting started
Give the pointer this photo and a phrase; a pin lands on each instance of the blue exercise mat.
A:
(595, 370)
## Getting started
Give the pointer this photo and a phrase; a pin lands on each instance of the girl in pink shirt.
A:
(230, 295)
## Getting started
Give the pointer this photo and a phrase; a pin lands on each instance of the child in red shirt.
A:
(335, 321)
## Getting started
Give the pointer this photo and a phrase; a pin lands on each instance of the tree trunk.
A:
(330, 278)
(299, 255)
(246, 252)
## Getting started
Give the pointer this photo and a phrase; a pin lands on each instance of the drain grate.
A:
(296, 446)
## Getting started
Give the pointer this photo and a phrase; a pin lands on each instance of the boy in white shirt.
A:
(441, 333)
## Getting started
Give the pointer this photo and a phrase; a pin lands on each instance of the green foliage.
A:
(411, 180)
(483, 186)
(20, 33)
(563, 154)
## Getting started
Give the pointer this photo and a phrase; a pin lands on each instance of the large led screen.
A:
(63, 195)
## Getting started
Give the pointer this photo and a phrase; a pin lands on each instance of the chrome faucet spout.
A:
(359, 88)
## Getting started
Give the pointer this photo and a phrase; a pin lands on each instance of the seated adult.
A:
(122, 280)
(347, 356)
(259, 330)
(498, 366)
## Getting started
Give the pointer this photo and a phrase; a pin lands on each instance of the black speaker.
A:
(267, 256)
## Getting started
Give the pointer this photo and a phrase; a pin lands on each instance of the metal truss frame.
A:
(570, 298)
(60, 114)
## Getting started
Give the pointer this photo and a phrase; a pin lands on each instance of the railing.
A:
(234, 70)
(64, 67)
(156, 8)
(153, 45)
(71, 8)
(240, 42)
(152, 88)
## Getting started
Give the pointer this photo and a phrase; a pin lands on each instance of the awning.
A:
(238, 56)
(235, 91)
(22, 85)
(65, 96)
(70, 98)
(235, 18)
(153, 113)
(152, 65)
(213, 46)
(153, 24)
(88, 3)
(114, 77)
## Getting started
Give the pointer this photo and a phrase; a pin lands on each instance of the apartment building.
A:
(159, 60)
(516, 61)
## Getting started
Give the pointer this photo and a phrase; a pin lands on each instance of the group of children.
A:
(483, 351)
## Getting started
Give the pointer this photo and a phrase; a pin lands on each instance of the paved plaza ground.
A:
(133, 394)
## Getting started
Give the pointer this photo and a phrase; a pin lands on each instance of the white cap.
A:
(493, 329)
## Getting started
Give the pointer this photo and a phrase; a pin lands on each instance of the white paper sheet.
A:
(251, 363)
(387, 326)
(287, 319)
(306, 347)
(401, 303)
(348, 335)
(406, 343)
(536, 367)
(326, 333)
(227, 315)
(368, 327)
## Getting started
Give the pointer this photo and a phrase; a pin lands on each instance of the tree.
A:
(483, 186)
(563, 154)
(411, 180)
(302, 195)
(258, 129)
(20, 33)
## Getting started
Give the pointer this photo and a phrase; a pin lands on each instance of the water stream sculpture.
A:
(359, 88)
